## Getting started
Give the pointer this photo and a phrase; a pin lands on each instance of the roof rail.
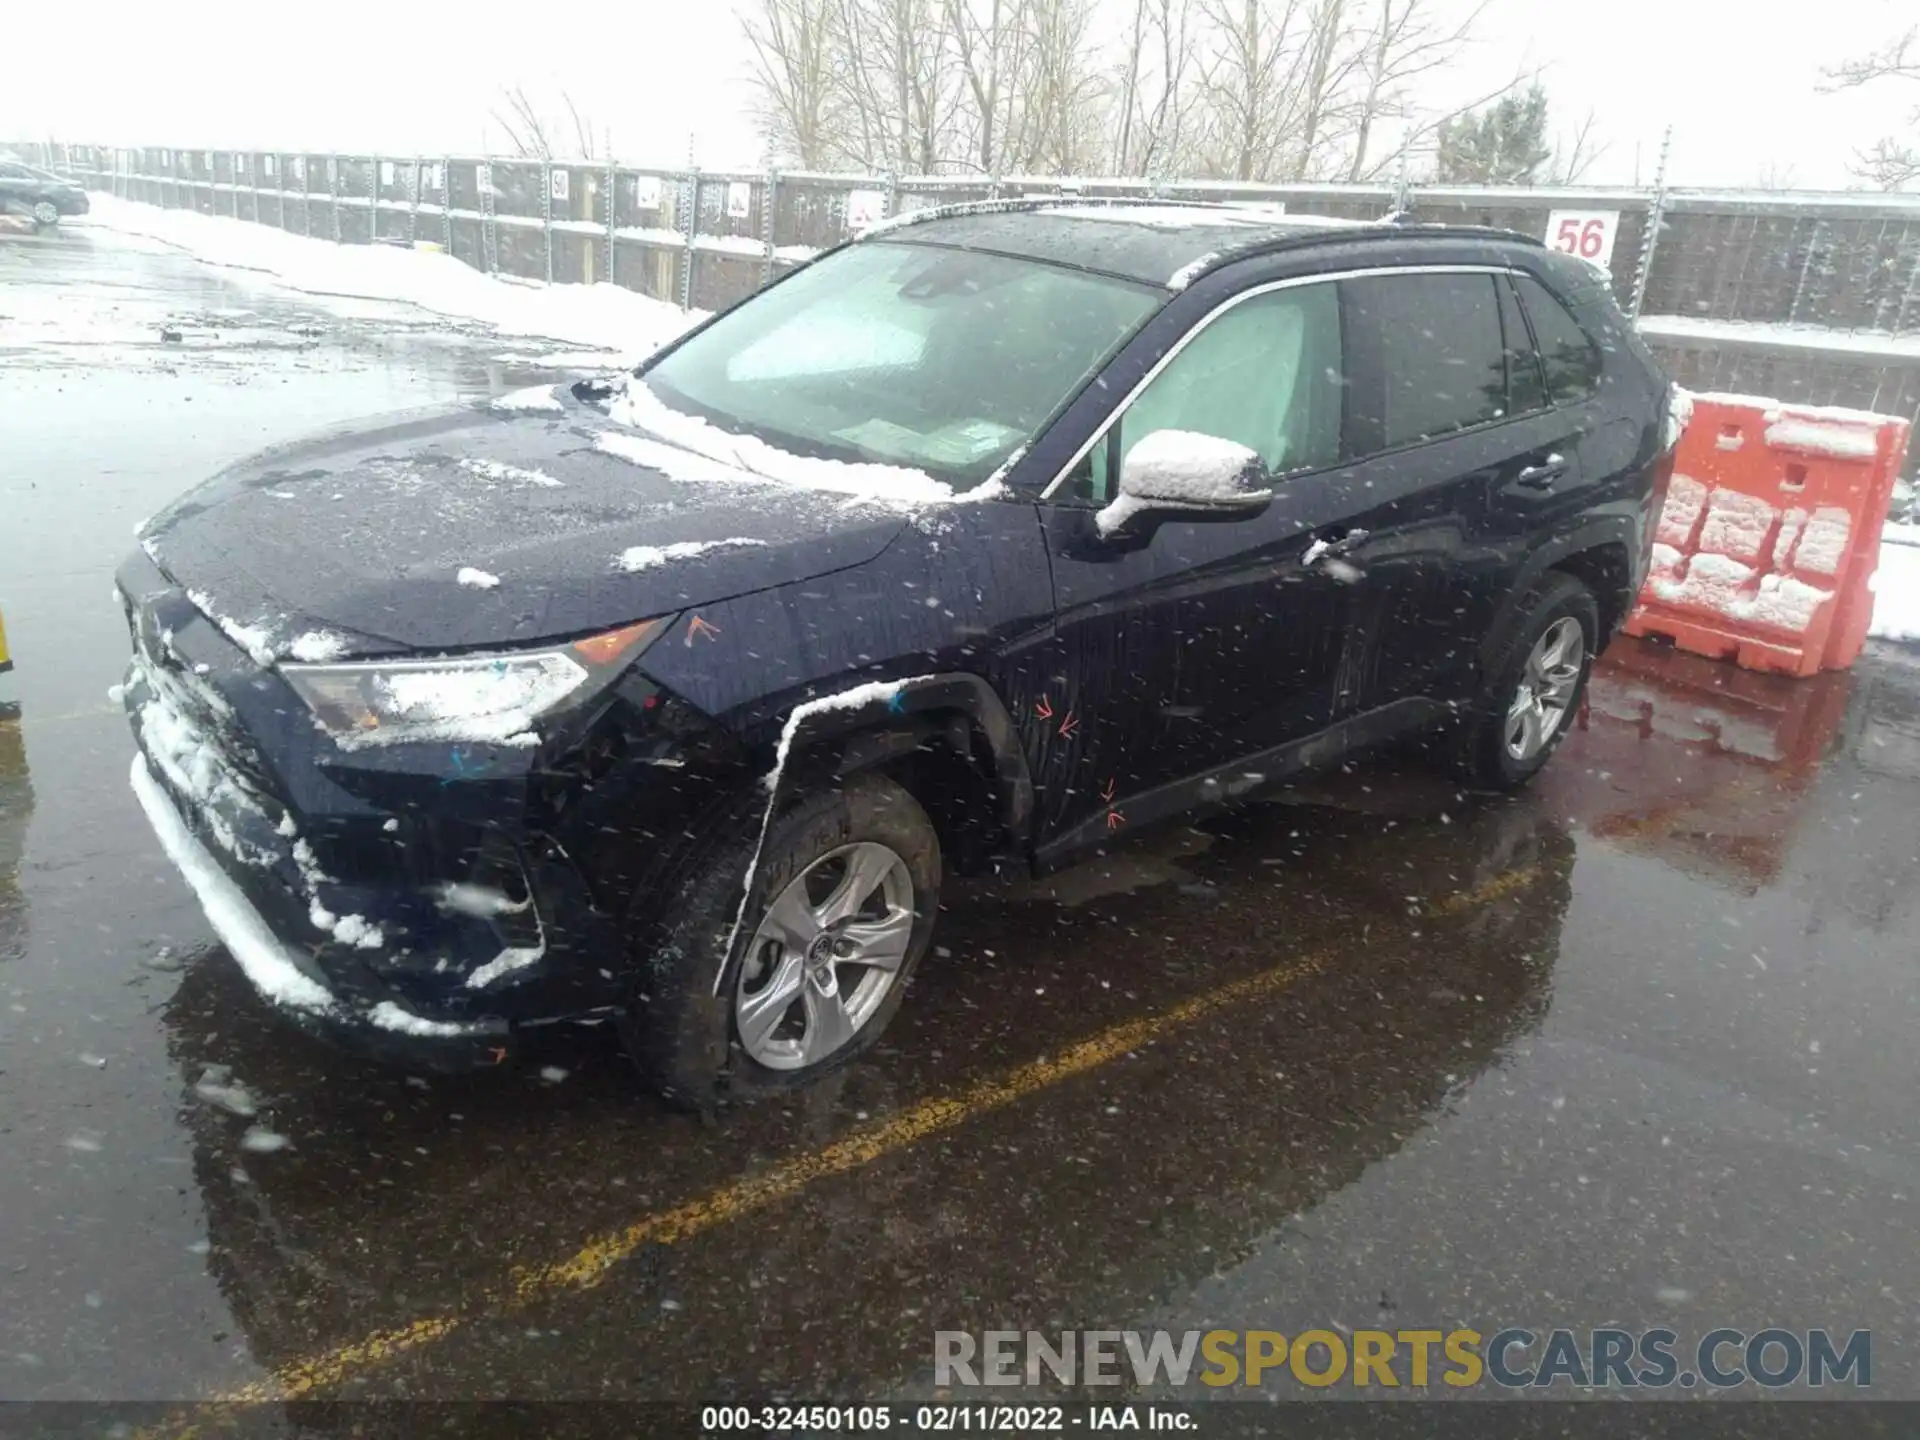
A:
(1042, 202)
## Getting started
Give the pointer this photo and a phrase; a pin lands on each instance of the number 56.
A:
(1583, 238)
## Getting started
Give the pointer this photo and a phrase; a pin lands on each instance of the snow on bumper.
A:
(274, 967)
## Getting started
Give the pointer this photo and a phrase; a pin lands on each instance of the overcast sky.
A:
(401, 76)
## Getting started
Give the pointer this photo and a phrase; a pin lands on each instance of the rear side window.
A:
(1571, 359)
(1526, 386)
(1442, 355)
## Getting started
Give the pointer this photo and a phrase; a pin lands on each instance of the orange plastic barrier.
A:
(1770, 536)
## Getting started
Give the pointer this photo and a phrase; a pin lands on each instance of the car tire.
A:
(45, 214)
(1495, 747)
(699, 1043)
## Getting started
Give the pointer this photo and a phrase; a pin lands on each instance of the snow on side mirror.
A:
(1183, 470)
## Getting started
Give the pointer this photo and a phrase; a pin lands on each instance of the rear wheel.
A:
(44, 213)
(1534, 686)
(841, 909)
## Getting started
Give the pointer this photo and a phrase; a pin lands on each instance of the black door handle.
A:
(1542, 475)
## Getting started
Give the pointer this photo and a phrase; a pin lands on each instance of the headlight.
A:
(488, 698)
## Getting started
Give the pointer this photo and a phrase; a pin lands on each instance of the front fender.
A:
(880, 721)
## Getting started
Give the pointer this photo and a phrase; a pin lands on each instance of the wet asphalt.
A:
(1635, 1049)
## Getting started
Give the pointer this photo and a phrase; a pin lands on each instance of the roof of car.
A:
(1161, 242)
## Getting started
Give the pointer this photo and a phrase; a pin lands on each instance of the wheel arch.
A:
(1599, 556)
(952, 732)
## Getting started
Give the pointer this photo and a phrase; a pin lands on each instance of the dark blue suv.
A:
(987, 539)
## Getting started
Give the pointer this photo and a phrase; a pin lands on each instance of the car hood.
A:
(469, 528)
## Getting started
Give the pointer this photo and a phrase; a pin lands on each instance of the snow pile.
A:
(1712, 581)
(645, 557)
(1709, 581)
(389, 1016)
(1823, 543)
(1784, 603)
(255, 637)
(476, 579)
(748, 458)
(1679, 415)
(535, 398)
(1686, 499)
(1188, 273)
(602, 315)
(1841, 442)
(1896, 601)
(1172, 217)
(1793, 337)
(508, 474)
(514, 957)
(260, 954)
(1737, 525)
(316, 647)
(1187, 468)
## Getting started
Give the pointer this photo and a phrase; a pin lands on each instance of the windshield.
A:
(944, 360)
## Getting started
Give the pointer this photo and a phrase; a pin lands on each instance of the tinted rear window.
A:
(1444, 361)
(1571, 359)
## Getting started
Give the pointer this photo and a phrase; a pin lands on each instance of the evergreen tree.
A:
(1503, 144)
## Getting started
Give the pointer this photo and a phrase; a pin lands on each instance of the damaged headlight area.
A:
(493, 698)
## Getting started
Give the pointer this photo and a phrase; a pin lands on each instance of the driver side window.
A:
(1265, 374)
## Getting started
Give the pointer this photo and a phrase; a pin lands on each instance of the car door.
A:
(15, 181)
(1448, 416)
(1188, 643)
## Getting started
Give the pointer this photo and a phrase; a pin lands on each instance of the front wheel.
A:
(44, 214)
(1534, 686)
(841, 909)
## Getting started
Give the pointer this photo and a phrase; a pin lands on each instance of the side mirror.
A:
(1183, 472)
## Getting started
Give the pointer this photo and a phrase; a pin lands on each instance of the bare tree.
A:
(1405, 44)
(897, 72)
(1245, 82)
(1154, 94)
(1060, 114)
(990, 41)
(1576, 153)
(1887, 164)
(794, 65)
(526, 131)
(1890, 163)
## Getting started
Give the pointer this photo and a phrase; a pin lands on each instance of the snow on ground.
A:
(533, 398)
(1896, 601)
(1796, 337)
(602, 315)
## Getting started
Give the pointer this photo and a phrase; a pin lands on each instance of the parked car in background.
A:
(40, 195)
(982, 541)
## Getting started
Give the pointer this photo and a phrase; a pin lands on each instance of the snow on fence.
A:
(1811, 297)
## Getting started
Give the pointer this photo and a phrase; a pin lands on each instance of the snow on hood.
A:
(354, 544)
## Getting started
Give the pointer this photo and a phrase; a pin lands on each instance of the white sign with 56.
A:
(1586, 233)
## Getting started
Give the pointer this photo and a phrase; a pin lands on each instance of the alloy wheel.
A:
(1547, 685)
(825, 956)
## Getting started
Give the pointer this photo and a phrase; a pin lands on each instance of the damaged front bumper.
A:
(289, 979)
(392, 901)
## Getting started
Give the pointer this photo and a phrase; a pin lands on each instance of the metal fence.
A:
(1835, 278)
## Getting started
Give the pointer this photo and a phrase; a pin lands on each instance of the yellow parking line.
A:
(1499, 887)
(589, 1265)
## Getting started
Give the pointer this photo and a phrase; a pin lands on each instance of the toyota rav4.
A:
(985, 540)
